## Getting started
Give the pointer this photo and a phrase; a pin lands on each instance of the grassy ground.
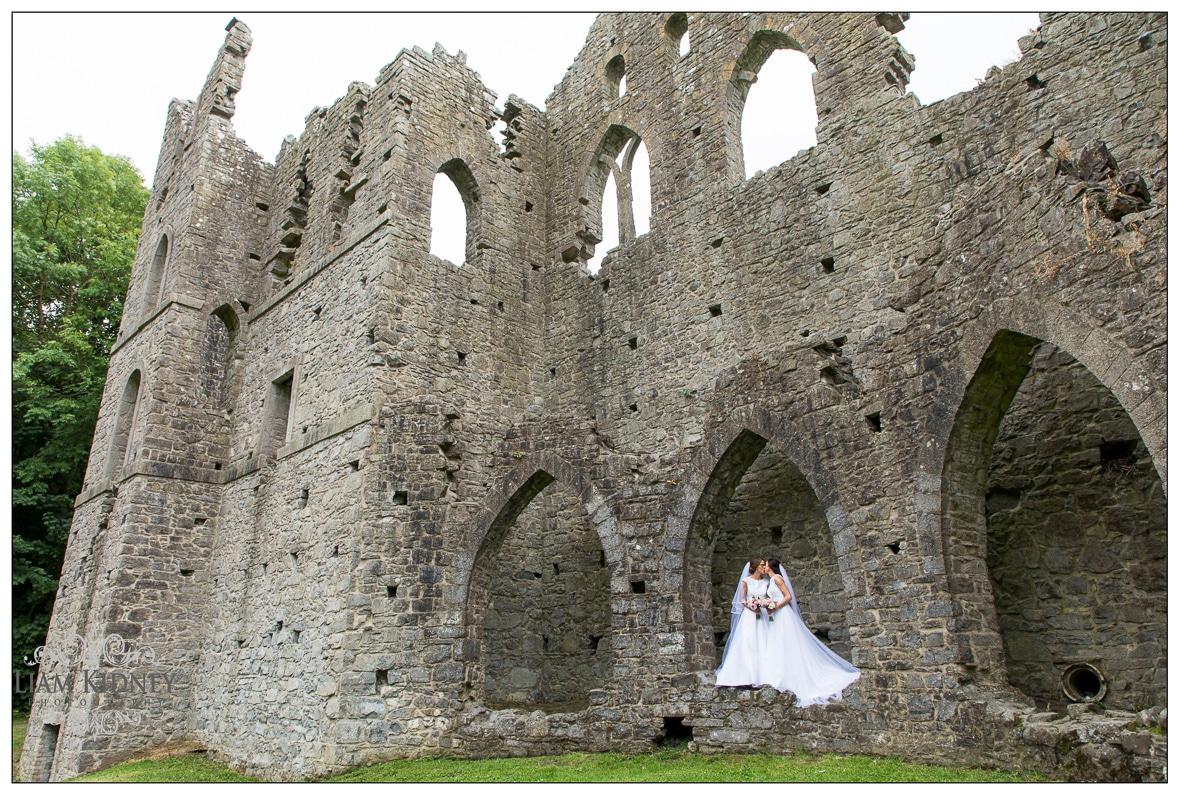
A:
(190, 767)
(671, 766)
(20, 727)
(675, 765)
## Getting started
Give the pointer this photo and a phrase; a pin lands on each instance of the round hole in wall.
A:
(1083, 682)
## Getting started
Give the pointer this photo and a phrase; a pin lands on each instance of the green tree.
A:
(75, 224)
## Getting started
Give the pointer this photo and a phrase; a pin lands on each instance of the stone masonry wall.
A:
(1077, 538)
(353, 459)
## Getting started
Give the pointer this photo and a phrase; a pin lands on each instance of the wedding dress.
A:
(794, 659)
(747, 636)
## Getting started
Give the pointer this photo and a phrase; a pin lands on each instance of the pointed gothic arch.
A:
(758, 50)
(535, 575)
(790, 492)
(1054, 535)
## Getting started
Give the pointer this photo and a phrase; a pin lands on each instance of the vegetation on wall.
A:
(76, 214)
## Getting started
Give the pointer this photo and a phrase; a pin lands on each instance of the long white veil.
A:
(735, 611)
(794, 603)
(835, 659)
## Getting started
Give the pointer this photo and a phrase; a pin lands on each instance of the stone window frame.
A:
(231, 319)
(617, 139)
(123, 449)
(461, 176)
(757, 51)
(676, 28)
(614, 74)
(156, 281)
(269, 443)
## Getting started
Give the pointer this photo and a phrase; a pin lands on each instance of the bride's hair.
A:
(755, 562)
(775, 566)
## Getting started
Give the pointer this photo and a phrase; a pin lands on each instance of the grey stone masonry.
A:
(353, 502)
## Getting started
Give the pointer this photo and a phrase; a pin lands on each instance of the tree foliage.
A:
(75, 224)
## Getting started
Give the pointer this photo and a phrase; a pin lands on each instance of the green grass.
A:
(20, 727)
(190, 767)
(674, 765)
(671, 766)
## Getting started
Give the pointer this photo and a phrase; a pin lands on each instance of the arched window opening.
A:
(616, 76)
(640, 169)
(219, 365)
(610, 224)
(617, 194)
(1055, 530)
(758, 502)
(676, 34)
(780, 115)
(770, 124)
(153, 291)
(123, 443)
(539, 603)
(454, 213)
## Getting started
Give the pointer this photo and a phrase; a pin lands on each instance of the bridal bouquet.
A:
(760, 603)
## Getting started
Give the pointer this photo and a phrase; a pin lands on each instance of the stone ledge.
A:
(179, 299)
(311, 273)
(346, 420)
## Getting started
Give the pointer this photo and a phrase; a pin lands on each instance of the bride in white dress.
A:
(794, 659)
(747, 629)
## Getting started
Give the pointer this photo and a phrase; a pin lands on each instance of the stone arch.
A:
(218, 368)
(460, 175)
(676, 35)
(1049, 557)
(615, 74)
(526, 653)
(760, 46)
(705, 492)
(1039, 316)
(155, 283)
(604, 164)
(123, 449)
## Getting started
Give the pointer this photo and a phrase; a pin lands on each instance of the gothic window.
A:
(123, 446)
(676, 34)
(617, 194)
(153, 291)
(454, 213)
(776, 119)
(616, 76)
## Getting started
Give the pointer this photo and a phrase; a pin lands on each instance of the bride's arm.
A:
(743, 600)
(782, 586)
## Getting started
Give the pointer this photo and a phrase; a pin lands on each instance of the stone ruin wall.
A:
(356, 469)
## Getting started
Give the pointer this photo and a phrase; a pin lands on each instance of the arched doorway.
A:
(1054, 524)
(757, 501)
(538, 602)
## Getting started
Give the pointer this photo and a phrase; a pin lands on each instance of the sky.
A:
(108, 77)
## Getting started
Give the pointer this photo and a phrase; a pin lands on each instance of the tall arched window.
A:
(777, 119)
(676, 34)
(616, 76)
(218, 367)
(454, 213)
(155, 280)
(617, 194)
(123, 446)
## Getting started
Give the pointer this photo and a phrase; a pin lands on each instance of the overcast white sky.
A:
(108, 77)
